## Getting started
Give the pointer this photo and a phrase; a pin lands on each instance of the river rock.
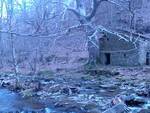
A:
(29, 84)
(119, 108)
(52, 89)
(148, 89)
(28, 93)
(143, 93)
(135, 101)
(94, 111)
(144, 111)
(35, 85)
(9, 83)
(102, 72)
(69, 106)
(69, 90)
(90, 106)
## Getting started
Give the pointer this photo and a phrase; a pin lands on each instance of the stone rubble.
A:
(113, 93)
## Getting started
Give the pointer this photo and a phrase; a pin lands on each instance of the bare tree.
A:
(86, 21)
(10, 9)
(45, 21)
(133, 6)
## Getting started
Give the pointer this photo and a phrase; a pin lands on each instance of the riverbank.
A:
(86, 91)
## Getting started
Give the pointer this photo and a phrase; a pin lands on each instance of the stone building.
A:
(119, 52)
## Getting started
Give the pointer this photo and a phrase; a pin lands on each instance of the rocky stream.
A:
(75, 92)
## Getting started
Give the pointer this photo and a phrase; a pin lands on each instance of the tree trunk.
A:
(92, 46)
(14, 58)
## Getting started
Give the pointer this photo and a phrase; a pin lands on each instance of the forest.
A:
(74, 56)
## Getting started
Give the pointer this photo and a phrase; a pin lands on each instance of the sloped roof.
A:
(145, 37)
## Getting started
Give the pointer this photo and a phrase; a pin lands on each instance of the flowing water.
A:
(12, 102)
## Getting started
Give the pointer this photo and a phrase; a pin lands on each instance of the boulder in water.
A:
(119, 108)
(144, 111)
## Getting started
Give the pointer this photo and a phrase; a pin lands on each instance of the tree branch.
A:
(60, 34)
(94, 10)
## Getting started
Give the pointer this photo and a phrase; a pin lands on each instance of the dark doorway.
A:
(147, 58)
(107, 56)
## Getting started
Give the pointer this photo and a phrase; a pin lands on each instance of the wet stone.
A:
(135, 101)
(144, 111)
(68, 106)
(143, 93)
(28, 93)
(94, 111)
(119, 108)
(69, 90)
(102, 72)
(90, 106)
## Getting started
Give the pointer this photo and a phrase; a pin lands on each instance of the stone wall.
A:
(118, 52)
(143, 52)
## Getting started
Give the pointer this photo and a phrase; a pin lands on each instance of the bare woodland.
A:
(30, 30)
